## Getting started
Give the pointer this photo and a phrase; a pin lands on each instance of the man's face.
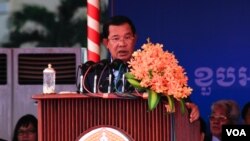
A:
(120, 42)
(217, 119)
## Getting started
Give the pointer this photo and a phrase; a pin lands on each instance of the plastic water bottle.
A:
(49, 80)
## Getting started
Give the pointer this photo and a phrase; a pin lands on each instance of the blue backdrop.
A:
(211, 39)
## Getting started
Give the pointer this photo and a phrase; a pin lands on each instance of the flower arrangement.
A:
(158, 73)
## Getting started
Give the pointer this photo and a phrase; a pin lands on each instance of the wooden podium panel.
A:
(65, 117)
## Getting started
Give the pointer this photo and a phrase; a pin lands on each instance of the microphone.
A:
(101, 64)
(98, 67)
(86, 68)
(119, 68)
(86, 65)
(82, 68)
(115, 64)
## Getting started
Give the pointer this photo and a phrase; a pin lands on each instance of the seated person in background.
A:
(203, 128)
(245, 113)
(119, 37)
(222, 112)
(26, 129)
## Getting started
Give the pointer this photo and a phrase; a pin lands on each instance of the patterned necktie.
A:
(118, 81)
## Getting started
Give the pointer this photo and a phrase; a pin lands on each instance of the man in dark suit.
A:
(119, 37)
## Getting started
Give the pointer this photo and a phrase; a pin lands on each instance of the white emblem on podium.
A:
(104, 134)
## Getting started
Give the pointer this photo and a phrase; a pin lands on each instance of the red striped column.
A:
(93, 31)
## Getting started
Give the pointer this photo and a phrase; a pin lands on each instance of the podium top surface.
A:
(87, 95)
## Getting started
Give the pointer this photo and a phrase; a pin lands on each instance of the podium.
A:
(66, 117)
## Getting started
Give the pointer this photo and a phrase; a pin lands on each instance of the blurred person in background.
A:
(245, 114)
(222, 112)
(2, 140)
(26, 129)
(203, 128)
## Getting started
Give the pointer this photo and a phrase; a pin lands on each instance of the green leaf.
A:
(182, 106)
(153, 99)
(128, 75)
(135, 83)
(171, 102)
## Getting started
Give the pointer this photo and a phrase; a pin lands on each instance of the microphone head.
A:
(116, 63)
(97, 67)
(101, 64)
(86, 65)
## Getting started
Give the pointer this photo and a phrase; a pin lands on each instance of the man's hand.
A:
(195, 113)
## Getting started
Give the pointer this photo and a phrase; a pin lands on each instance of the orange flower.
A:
(159, 71)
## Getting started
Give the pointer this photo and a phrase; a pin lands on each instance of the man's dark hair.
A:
(116, 20)
(244, 110)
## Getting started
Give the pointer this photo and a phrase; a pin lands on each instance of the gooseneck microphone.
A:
(105, 68)
(118, 68)
(104, 76)
(82, 68)
(86, 68)
(98, 67)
